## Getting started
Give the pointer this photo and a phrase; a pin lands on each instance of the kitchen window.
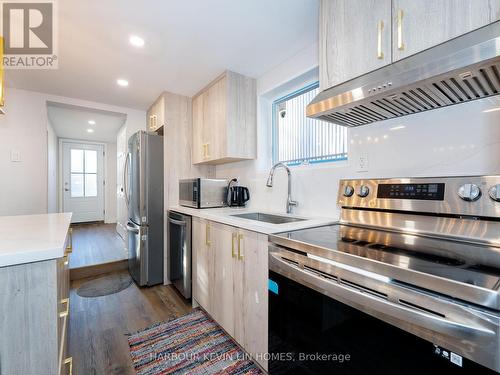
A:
(300, 140)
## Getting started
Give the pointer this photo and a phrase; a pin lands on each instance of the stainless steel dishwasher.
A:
(179, 251)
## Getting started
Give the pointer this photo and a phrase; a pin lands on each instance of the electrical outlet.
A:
(15, 156)
(362, 163)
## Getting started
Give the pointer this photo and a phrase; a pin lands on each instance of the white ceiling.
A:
(72, 122)
(188, 43)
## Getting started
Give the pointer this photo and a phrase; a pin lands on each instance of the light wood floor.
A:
(96, 244)
(97, 326)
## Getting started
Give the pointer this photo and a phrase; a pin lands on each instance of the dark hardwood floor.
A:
(96, 243)
(97, 326)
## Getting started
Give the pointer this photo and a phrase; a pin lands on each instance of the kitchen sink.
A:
(268, 218)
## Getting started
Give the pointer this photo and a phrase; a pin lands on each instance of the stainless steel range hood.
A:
(460, 70)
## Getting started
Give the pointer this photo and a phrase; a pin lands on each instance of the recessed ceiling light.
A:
(136, 41)
(122, 82)
(91, 122)
(89, 130)
(398, 127)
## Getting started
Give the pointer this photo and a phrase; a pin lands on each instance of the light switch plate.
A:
(362, 162)
(15, 156)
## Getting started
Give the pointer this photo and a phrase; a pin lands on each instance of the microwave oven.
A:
(203, 192)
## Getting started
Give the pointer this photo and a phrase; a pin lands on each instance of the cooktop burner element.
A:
(430, 246)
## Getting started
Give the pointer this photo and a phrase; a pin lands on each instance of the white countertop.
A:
(223, 215)
(32, 238)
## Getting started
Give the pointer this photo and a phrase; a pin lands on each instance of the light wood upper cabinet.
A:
(224, 120)
(355, 38)
(418, 25)
(156, 114)
(359, 36)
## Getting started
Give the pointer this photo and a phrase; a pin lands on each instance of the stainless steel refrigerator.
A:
(144, 196)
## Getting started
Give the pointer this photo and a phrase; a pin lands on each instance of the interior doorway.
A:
(83, 180)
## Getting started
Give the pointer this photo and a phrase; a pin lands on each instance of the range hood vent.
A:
(460, 70)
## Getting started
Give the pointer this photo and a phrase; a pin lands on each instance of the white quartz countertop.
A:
(224, 216)
(32, 238)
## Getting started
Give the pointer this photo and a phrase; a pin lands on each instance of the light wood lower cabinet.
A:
(230, 273)
(34, 312)
(202, 260)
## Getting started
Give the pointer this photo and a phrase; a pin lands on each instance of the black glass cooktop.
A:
(463, 262)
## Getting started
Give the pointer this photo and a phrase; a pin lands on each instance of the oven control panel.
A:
(434, 191)
(473, 196)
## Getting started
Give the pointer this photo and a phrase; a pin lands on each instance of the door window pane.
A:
(76, 161)
(90, 161)
(76, 185)
(91, 185)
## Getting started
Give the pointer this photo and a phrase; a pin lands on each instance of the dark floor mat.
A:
(105, 285)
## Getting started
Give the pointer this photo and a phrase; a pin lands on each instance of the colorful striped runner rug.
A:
(191, 344)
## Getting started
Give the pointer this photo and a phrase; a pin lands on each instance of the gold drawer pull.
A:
(65, 258)
(233, 254)
(64, 313)
(240, 237)
(207, 235)
(69, 247)
(69, 361)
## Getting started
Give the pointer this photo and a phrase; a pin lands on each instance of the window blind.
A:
(302, 140)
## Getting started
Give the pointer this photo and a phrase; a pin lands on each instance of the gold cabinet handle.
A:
(240, 237)
(401, 45)
(64, 313)
(380, 29)
(208, 150)
(69, 247)
(204, 150)
(69, 361)
(207, 235)
(66, 261)
(233, 254)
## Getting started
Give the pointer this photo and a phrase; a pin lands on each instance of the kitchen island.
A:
(34, 293)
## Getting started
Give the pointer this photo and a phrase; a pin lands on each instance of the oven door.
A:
(326, 318)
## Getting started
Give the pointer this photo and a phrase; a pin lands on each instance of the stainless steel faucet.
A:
(289, 202)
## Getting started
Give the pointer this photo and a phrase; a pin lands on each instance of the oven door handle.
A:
(378, 306)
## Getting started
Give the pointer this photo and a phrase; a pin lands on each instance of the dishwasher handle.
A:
(177, 222)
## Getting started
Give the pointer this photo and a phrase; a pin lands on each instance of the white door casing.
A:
(83, 180)
(121, 209)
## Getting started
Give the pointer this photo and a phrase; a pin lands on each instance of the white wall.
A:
(110, 199)
(458, 140)
(23, 186)
(52, 160)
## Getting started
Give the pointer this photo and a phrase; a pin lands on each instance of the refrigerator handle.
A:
(132, 228)
(125, 179)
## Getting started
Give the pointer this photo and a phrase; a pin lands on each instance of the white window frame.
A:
(275, 140)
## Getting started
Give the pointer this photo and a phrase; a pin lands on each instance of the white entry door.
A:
(83, 176)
